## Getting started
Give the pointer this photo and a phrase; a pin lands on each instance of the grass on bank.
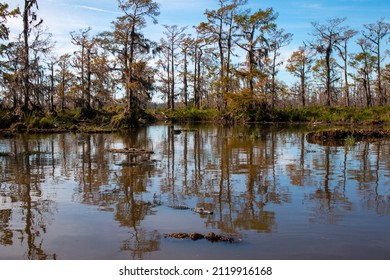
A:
(114, 117)
(187, 115)
(352, 115)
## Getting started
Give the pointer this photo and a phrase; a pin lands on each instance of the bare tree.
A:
(30, 21)
(128, 43)
(364, 63)
(277, 40)
(83, 61)
(299, 64)
(64, 78)
(51, 63)
(174, 37)
(328, 36)
(375, 33)
(219, 30)
(253, 29)
(186, 46)
(343, 52)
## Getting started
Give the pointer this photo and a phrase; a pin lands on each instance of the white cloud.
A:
(96, 9)
(63, 17)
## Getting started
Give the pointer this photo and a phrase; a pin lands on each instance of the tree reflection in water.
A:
(254, 179)
(23, 207)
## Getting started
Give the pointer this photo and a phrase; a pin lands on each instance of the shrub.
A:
(35, 122)
(46, 123)
(191, 114)
(119, 121)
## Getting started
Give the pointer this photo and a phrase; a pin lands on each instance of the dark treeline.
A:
(229, 62)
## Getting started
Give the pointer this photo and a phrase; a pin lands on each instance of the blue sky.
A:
(295, 16)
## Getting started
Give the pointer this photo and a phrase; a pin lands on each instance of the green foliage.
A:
(245, 111)
(119, 121)
(192, 114)
(34, 122)
(46, 123)
(69, 117)
(31, 120)
(263, 113)
(37, 120)
(116, 117)
(349, 142)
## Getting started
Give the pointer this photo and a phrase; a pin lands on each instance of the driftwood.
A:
(212, 237)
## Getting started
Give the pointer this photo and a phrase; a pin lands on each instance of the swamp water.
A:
(68, 196)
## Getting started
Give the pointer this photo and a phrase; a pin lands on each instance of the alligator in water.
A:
(212, 237)
(199, 210)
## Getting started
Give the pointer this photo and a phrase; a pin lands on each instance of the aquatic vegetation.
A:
(349, 142)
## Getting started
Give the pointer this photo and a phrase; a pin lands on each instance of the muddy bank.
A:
(73, 129)
(339, 136)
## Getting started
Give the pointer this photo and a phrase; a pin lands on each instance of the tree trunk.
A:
(173, 76)
(185, 82)
(328, 82)
(346, 86)
(169, 84)
(303, 91)
(26, 54)
(382, 96)
(52, 87)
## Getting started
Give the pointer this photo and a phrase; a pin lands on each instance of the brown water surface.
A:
(65, 196)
